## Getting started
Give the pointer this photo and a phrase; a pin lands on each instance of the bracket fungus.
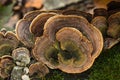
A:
(31, 26)
(52, 48)
(114, 25)
(113, 30)
(100, 20)
(21, 56)
(69, 43)
(108, 24)
(22, 28)
(23, 33)
(38, 69)
(6, 65)
(68, 40)
(88, 16)
(101, 23)
(38, 22)
(8, 42)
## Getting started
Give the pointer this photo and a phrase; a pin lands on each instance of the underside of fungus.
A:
(69, 43)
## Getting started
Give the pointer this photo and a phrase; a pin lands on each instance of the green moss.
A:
(59, 75)
(56, 75)
(107, 66)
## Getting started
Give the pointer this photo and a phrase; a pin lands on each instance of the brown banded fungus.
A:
(23, 33)
(114, 25)
(32, 14)
(108, 25)
(113, 30)
(88, 16)
(8, 42)
(100, 20)
(22, 28)
(38, 69)
(6, 66)
(69, 43)
(31, 26)
(38, 22)
(101, 23)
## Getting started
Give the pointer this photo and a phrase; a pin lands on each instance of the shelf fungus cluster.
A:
(108, 22)
(62, 40)
(68, 40)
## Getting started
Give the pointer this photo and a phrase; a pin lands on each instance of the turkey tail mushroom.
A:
(38, 22)
(8, 42)
(6, 66)
(31, 26)
(75, 51)
(57, 22)
(22, 28)
(100, 20)
(107, 26)
(88, 16)
(69, 43)
(32, 14)
(113, 31)
(23, 33)
(114, 25)
(38, 69)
